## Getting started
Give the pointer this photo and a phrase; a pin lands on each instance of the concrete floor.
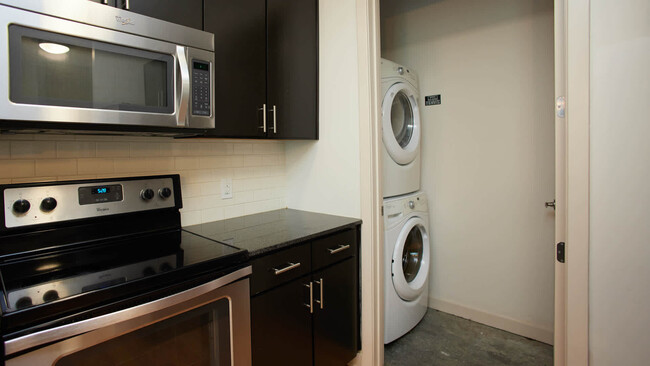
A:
(444, 339)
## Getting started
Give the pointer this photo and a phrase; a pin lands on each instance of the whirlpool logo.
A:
(124, 21)
(102, 209)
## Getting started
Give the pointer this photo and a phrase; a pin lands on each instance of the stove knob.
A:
(165, 193)
(48, 204)
(21, 206)
(50, 296)
(411, 205)
(165, 267)
(23, 302)
(147, 194)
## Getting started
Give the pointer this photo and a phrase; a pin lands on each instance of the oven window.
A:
(52, 69)
(197, 337)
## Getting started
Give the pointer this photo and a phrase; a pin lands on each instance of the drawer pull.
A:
(285, 269)
(339, 249)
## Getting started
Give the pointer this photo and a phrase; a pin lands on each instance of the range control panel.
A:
(48, 203)
(200, 88)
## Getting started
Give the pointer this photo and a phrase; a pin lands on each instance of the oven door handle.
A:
(146, 313)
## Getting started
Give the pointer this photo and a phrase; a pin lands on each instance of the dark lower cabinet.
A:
(307, 319)
(335, 334)
(282, 325)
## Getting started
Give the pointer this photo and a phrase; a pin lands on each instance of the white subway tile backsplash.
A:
(95, 166)
(109, 149)
(75, 149)
(257, 168)
(55, 167)
(33, 150)
(5, 149)
(242, 149)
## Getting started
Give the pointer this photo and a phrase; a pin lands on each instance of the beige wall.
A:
(256, 167)
(619, 247)
(487, 153)
(325, 175)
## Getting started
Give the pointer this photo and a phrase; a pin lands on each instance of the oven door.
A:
(64, 71)
(205, 325)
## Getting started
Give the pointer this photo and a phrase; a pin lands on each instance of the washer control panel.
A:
(48, 203)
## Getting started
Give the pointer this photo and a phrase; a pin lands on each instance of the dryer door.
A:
(410, 264)
(401, 122)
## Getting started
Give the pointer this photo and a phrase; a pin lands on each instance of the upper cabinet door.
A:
(292, 32)
(187, 12)
(239, 29)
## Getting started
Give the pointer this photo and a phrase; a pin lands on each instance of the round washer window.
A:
(412, 254)
(401, 119)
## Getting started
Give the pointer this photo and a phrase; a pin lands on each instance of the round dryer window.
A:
(401, 119)
(410, 262)
(401, 123)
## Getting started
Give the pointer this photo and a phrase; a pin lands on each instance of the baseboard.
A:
(497, 321)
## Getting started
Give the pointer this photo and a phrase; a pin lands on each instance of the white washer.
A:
(401, 129)
(407, 262)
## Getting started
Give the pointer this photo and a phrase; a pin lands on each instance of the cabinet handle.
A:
(286, 269)
(275, 120)
(339, 249)
(126, 4)
(321, 301)
(263, 109)
(105, 2)
(311, 297)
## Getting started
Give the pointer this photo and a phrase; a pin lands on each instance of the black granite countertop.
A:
(270, 231)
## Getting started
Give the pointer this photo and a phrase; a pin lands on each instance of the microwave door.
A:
(64, 71)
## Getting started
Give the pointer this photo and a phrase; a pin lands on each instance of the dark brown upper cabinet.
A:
(266, 68)
(187, 12)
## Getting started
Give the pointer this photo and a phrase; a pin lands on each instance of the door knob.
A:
(550, 204)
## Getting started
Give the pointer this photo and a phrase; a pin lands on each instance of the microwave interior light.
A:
(53, 48)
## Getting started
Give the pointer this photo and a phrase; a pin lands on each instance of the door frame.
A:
(575, 23)
(372, 258)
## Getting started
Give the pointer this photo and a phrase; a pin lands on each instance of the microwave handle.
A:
(184, 94)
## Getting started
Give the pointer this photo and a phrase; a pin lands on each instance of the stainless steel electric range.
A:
(101, 272)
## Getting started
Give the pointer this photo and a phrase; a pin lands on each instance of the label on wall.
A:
(432, 99)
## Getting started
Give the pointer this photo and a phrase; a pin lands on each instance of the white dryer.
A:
(407, 262)
(401, 129)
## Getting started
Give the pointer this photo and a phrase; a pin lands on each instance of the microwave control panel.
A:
(200, 88)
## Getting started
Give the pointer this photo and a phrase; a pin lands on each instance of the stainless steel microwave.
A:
(82, 67)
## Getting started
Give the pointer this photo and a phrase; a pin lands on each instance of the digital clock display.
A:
(100, 190)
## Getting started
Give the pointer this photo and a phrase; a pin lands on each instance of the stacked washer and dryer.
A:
(406, 214)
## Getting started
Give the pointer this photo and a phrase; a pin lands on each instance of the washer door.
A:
(410, 265)
(401, 122)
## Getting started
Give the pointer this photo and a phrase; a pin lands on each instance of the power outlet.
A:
(226, 188)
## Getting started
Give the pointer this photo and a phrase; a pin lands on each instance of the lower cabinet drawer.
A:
(280, 267)
(333, 248)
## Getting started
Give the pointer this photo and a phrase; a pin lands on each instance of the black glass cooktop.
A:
(150, 261)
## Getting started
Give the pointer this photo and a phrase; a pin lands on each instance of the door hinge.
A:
(382, 210)
(560, 251)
